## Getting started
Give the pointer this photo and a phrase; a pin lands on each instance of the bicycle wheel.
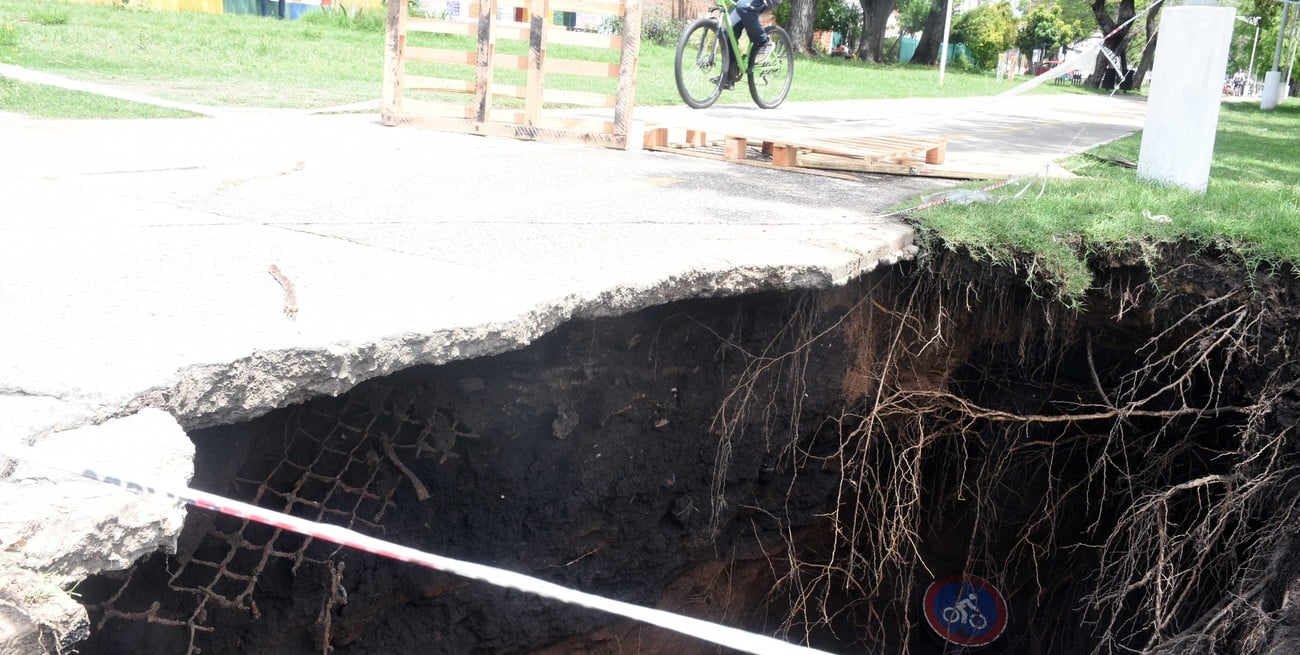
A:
(701, 64)
(769, 82)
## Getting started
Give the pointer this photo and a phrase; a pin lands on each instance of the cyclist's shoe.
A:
(727, 84)
(764, 52)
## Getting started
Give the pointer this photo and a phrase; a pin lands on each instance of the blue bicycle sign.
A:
(966, 610)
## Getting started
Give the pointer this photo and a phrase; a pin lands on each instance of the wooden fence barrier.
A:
(479, 116)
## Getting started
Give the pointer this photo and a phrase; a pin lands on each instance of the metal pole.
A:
(1290, 63)
(1281, 33)
(947, 26)
(1252, 50)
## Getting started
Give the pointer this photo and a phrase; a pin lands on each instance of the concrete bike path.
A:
(1007, 137)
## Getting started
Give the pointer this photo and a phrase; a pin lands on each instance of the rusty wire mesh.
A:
(338, 463)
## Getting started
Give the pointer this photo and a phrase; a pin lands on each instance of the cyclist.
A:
(745, 14)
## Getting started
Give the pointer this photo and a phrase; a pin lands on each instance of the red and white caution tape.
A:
(712, 632)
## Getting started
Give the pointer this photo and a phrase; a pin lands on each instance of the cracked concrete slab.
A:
(134, 281)
(138, 268)
(134, 260)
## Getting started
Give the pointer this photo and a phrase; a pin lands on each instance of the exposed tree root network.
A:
(798, 464)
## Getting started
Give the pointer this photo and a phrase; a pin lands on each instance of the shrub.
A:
(662, 30)
(8, 35)
(47, 15)
(656, 29)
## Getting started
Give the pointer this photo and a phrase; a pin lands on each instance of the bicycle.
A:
(704, 65)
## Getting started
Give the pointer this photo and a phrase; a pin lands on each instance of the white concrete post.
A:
(1183, 106)
(1272, 93)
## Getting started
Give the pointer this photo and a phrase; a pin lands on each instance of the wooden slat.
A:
(704, 154)
(436, 109)
(735, 148)
(937, 155)
(483, 60)
(394, 45)
(582, 98)
(510, 62)
(588, 7)
(537, 29)
(573, 67)
(831, 162)
(509, 91)
(506, 130)
(551, 65)
(629, 54)
(612, 42)
(417, 53)
(425, 83)
(436, 26)
(515, 31)
(555, 122)
(784, 156)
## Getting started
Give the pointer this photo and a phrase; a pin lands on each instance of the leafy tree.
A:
(927, 49)
(875, 14)
(1119, 37)
(912, 15)
(802, 20)
(839, 16)
(1075, 13)
(987, 30)
(834, 15)
(1045, 30)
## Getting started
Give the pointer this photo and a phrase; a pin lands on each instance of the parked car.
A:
(1044, 66)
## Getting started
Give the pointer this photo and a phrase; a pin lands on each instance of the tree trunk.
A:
(1117, 43)
(875, 14)
(802, 15)
(1149, 54)
(927, 50)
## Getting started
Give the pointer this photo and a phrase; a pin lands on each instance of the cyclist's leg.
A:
(746, 14)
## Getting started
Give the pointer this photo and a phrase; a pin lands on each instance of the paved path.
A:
(134, 254)
(1015, 136)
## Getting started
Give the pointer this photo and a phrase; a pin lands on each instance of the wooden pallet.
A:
(810, 149)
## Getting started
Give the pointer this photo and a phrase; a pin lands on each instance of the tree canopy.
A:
(987, 30)
(1044, 29)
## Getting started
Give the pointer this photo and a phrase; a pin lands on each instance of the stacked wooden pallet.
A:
(792, 147)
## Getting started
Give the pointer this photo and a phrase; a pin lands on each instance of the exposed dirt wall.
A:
(799, 464)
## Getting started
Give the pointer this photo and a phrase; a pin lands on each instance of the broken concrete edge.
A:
(58, 529)
(123, 528)
(221, 394)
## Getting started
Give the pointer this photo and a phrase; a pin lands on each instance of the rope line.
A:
(712, 632)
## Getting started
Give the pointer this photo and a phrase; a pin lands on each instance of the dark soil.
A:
(796, 464)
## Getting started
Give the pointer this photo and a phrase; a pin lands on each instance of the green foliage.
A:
(362, 20)
(1077, 14)
(662, 30)
(656, 29)
(838, 16)
(49, 15)
(1044, 29)
(9, 36)
(987, 30)
(912, 14)
(209, 59)
(1251, 208)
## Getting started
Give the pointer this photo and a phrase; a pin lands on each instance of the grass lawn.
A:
(1252, 205)
(322, 61)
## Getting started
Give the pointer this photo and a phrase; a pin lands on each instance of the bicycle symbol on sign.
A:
(966, 612)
